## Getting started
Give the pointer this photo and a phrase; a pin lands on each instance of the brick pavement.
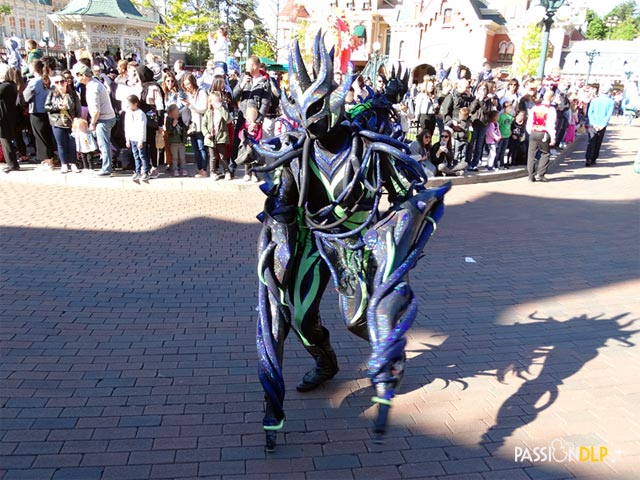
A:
(127, 338)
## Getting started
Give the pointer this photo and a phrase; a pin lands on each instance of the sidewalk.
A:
(121, 180)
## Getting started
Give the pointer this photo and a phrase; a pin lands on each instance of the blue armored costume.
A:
(323, 220)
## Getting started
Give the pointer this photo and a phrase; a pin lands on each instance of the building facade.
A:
(418, 32)
(100, 25)
(28, 19)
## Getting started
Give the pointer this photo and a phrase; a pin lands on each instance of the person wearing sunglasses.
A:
(420, 150)
(442, 156)
(63, 105)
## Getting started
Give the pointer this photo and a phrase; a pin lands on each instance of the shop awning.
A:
(360, 31)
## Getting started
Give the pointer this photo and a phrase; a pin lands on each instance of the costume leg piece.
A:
(396, 242)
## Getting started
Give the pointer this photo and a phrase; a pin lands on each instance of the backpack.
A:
(274, 92)
(153, 118)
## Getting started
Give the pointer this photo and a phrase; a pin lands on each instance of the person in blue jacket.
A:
(599, 113)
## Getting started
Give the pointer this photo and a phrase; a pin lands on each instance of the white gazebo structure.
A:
(99, 25)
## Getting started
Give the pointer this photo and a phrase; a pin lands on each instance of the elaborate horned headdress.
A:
(312, 100)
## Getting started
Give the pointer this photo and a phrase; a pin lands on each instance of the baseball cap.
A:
(82, 69)
(218, 72)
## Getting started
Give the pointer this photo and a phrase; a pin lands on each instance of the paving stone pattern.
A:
(127, 324)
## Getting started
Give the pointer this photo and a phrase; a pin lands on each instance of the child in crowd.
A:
(492, 138)
(86, 143)
(176, 138)
(216, 136)
(504, 121)
(570, 135)
(460, 126)
(251, 130)
(350, 100)
(135, 130)
(518, 144)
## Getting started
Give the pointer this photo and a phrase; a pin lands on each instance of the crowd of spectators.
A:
(138, 115)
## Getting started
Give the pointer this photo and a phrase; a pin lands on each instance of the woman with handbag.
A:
(196, 102)
(63, 105)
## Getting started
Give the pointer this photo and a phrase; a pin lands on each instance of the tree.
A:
(596, 29)
(628, 27)
(627, 30)
(5, 9)
(530, 51)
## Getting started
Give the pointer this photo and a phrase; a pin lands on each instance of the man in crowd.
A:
(600, 112)
(541, 125)
(103, 118)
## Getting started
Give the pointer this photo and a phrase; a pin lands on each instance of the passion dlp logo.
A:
(561, 451)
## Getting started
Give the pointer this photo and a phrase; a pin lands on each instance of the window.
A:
(505, 51)
(41, 23)
(446, 18)
(23, 27)
(32, 24)
(366, 5)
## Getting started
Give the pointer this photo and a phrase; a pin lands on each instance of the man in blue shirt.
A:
(599, 113)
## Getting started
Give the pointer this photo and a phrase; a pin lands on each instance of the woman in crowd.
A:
(21, 117)
(196, 102)
(442, 156)
(173, 95)
(420, 150)
(8, 111)
(426, 106)
(63, 105)
(36, 95)
(120, 80)
(511, 93)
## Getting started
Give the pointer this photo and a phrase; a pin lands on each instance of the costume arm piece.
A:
(276, 248)
(396, 242)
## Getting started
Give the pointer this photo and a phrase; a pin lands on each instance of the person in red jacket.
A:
(541, 125)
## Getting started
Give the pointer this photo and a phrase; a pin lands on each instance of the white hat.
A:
(218, 72)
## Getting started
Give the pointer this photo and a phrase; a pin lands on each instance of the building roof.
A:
(293, 9)
(485, 12)
(103, 8)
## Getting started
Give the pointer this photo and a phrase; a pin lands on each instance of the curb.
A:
(166, 182)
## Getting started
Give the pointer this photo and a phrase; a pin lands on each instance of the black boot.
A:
(325, 369)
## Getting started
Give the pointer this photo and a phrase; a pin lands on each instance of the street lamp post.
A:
(550, 9)
(46, 42)
(612, 22)
(591, 54)
(248, 27)
(376, 61)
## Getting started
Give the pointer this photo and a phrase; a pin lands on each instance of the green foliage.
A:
(530, 51)
(263, 49)
(198, 53)
(190, 21)
(596, 29)
(627, 29)
(5, 9)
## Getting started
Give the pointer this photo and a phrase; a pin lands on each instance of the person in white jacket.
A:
(135, 128)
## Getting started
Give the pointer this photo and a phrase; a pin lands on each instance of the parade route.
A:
(127, 337)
